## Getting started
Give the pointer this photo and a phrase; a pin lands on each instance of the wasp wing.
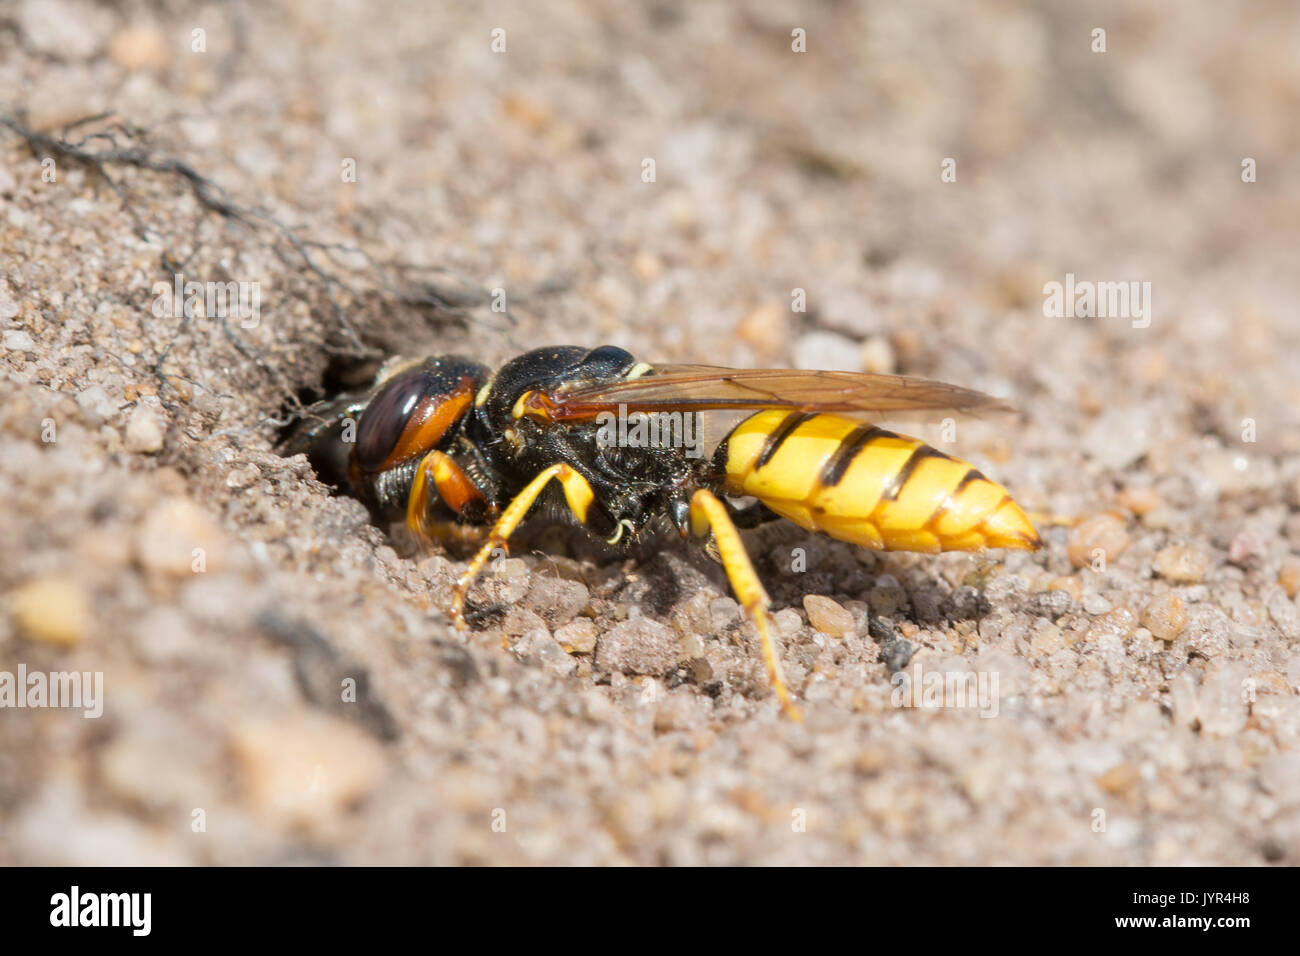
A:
(693, 388)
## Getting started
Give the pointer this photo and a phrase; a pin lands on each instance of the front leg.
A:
(577, 492)
(439, 473)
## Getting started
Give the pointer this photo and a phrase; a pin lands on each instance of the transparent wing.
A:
(704, 387)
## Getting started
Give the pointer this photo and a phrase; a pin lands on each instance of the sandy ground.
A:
(1147, 705)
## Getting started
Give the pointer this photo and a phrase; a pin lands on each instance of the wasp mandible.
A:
(452, 446)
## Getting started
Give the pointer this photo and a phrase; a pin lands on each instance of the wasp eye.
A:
(414, 410)
(608, 360)
(386, 417)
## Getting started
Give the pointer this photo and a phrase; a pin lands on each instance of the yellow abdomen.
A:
(868, 486)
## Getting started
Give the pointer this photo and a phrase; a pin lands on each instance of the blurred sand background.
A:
(1148, 711)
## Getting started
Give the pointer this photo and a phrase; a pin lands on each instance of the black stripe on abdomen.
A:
(837, 466)
(919, 454)
(972, 475)
(776, 438)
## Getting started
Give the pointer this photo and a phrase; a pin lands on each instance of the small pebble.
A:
(692, 646)
(177, 539)
(1289, 577)
(1244, 548)
(878, 356)
(1161, 518)
(305, 769)
(1165, 616)
(787, 621)
(1096, 604)
(159, 766)
(723, 612)
(1181, 564)
(647, 266)
(887, 598)
(1230, 472)
(577, 637)
(505, 584)
(638, 646)
(64, 29)
(1070, 585)
(1140, 501)
(52, 610)
(896, 653)
(764, 328)
(676, 712)
(1119, 778)
(1104, 533)
(134, 48)
(827, 616)
(692, 616)
(1054, 602)
(557, 600)
(537, 646)
(826, 350)
(16, 340)
(1119, 623)
(144, 432)
(96, 404)
(520, 621)
(1119, 437)
(242, 476)
(1209, 631)
(1047, 637)
(1221, 705)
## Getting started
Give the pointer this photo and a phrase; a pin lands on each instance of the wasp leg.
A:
(576, 491)
(709, 513)
(453, 487)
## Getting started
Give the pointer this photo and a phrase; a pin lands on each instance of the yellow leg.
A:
(708, 513)
(576, 491)
(451, 484)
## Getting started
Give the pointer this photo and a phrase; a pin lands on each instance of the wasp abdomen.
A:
(869, 486)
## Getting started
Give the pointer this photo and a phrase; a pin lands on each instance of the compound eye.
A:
(386, 418)
(608, 359)
(411, 413)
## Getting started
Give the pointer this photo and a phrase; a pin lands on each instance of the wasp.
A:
(449, 446)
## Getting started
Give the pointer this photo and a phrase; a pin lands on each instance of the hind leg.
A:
(708, 513)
